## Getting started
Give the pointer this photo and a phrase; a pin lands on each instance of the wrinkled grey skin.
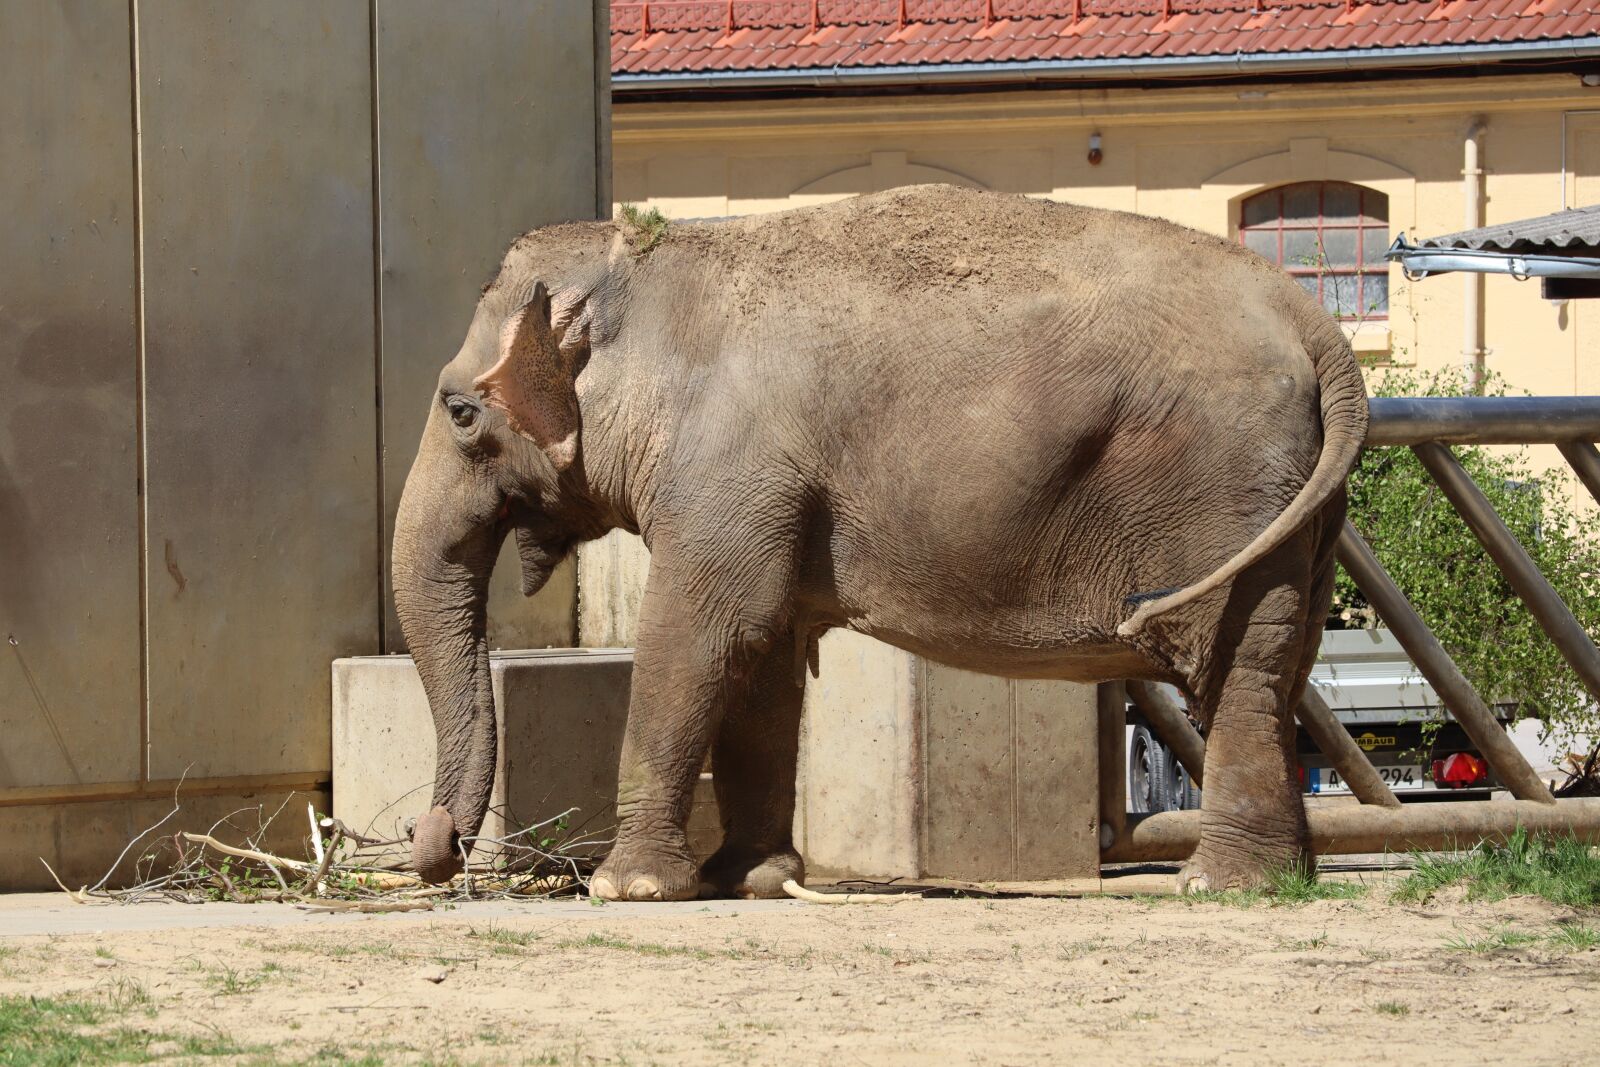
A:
(976, 427)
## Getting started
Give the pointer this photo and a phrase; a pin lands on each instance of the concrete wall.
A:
(241, 240)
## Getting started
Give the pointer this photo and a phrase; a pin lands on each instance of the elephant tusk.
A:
(811, 896)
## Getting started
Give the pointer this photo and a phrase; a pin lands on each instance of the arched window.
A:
(1331, 237)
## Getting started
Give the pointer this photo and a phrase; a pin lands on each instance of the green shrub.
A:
(1455, 586)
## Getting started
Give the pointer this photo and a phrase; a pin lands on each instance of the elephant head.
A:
(501, 453)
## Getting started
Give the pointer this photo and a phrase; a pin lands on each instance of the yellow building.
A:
(1432, 138)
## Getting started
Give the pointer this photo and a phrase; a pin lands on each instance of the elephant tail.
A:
(1344, 429)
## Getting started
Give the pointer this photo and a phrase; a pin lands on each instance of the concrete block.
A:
(911, 769)
(562, 714)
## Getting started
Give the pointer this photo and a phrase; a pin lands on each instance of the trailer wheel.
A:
(1152, 774)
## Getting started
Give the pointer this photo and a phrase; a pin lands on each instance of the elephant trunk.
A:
(441, 591)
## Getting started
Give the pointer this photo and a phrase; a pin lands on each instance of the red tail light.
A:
(1459, 770)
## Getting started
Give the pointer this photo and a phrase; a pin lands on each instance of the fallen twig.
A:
(247, 853)
(367, 906)
(81, 896)
(810, 896)
(325, 857)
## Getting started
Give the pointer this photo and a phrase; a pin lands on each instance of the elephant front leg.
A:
(692, 661)
(753, 766)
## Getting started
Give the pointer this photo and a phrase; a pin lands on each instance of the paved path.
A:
(24, 914)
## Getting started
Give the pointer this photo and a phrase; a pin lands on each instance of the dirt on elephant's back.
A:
(1096, 981)
(946, 239)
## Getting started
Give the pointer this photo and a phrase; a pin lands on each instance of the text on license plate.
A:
(1400, 776)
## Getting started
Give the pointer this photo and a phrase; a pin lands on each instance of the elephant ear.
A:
(534, 380)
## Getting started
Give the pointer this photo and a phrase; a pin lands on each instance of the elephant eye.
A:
(462, 413)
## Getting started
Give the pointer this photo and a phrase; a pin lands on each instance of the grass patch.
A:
(650, 224)
(1391, 1007)
(126, 994)
(228, 982)
(1575, 936)
(650, 948)
(1285, 886)
(1076, 950)
(317, 948)
(501, 939)
(642, 948)
(1296, 885)
(333, 1056)
(1560, 869)
(1304, 945)
(63, 1031)
(1494, 941)
(1570, 937)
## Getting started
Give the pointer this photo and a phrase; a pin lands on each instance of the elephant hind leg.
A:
(1252, 816)
(753, 765)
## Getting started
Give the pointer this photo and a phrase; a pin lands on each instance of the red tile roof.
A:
(743, 36)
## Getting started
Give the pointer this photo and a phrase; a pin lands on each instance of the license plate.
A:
(1399, 776)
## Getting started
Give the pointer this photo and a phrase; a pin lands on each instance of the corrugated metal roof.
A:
(1577, 230)
(711, 36)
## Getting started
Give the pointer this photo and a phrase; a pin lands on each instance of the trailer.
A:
(1379, 698)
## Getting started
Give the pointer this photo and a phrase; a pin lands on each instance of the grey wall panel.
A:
(486, 129)
(69, 536)
(258, 267)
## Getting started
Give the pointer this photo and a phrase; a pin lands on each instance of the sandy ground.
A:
(1092, 980)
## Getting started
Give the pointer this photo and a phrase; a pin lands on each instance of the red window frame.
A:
(1276, 224)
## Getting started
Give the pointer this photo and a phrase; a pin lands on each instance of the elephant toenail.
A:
(602, 888)
(644, 889)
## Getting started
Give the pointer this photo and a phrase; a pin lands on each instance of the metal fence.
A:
(1381, 823)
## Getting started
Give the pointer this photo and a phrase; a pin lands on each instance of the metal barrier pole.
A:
(1585, 462)
(1436, 665)
(1172, 724)
(1111, 704)
(1483, 420)
(1359, 828)
(1513, 560)
(1346, 756)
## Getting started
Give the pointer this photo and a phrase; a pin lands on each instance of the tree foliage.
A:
(1454, 585)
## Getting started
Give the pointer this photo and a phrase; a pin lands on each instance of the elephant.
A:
(1007, 434)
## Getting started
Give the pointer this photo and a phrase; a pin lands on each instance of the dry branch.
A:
(345, 871)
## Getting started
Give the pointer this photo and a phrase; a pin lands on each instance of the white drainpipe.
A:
(1472, 283)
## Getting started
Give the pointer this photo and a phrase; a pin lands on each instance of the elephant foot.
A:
(630, 874)
(750, 873)
(1216, 869)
